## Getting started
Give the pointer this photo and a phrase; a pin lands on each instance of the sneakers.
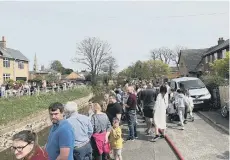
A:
(185, 121)
(182, 128)
(130, 139)
(192, 119)
(162, 136)
(155, 138)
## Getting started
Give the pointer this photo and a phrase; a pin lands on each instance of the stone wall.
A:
(35, 122)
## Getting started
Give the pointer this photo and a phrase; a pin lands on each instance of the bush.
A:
(18, 108)
(213, 81)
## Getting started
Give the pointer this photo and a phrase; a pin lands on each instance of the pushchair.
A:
(172, 112)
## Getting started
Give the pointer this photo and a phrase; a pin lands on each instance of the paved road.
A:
(200, 141)
(142, 148)
(216, 116)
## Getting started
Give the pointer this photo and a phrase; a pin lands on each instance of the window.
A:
(6, 62)
(224, 53)
(220, 55)
(20, 64)
(209, 58)
(191, 84)
(6, 77)
(215, 56)
(172, 85)
(206, 59)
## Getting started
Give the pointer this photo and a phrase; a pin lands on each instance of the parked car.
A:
(197, 89)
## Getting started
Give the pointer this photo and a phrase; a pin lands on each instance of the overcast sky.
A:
(52, 29)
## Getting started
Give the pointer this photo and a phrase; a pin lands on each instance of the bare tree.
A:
(176, 54)
(164, 54)
(93, 53)
(110, 66)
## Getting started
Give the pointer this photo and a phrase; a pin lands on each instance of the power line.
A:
(182, 16)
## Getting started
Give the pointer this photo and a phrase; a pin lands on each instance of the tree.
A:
(110, 67)
(146, 70)
(176, 54)
(164, 54)
(57, 66)
(66, 70)
(52, 77)
(94, 53)
(220, 67)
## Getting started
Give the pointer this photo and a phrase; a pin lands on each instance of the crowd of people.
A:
(74, 136)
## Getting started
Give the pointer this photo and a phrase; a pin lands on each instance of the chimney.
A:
(221, 40)
(3, 42)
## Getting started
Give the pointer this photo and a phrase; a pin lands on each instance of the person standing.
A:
(83, 131)
(60, 143)
(114, 109)
(25, 146)
(160, 113)
(131, 113)
(148, 96)
(101, 130)
(116, 139)
(181, 103)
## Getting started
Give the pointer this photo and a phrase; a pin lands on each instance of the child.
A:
(190, 105)
(116, 139)
(171, 109)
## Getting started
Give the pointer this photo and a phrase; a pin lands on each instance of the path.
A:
(200, 140)
(142, 148)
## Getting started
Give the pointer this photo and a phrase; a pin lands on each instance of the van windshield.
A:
(191, 84)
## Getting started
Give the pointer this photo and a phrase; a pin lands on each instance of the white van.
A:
(197, 89)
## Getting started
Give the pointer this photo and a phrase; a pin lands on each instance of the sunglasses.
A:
(19, 148)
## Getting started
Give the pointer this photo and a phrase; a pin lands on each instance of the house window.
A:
(219, 55)
(224, 53)
(6, 62)
(21, 65)
(209, 58)
(6, 77)
(215, 56)
(206, 59)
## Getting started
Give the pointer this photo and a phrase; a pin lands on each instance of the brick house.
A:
(194, 62)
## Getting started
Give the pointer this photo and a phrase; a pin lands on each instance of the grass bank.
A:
(18, 108)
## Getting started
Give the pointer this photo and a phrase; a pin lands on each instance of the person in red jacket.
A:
(25, 146)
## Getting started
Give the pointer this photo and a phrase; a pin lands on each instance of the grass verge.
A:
(17, 108)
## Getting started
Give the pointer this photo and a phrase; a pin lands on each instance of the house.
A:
(214, 53)
(71, 76)
(13, 64)
(194, 62)
(43, 73)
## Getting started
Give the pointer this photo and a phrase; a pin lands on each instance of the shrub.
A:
(17, 108)
(213, 81)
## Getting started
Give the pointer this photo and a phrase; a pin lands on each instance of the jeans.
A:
(83, 153)
(131, 118)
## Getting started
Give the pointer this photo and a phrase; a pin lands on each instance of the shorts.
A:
(116, 153)
(148, 113)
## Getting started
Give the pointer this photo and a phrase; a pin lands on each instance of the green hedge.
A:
(17, 108)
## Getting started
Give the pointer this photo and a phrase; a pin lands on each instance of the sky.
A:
(53, 29)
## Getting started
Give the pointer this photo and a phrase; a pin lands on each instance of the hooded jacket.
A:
(181, 101)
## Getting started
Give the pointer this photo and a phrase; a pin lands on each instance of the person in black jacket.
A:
(148, 97)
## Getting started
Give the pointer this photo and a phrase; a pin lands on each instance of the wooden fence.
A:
(224, 94)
